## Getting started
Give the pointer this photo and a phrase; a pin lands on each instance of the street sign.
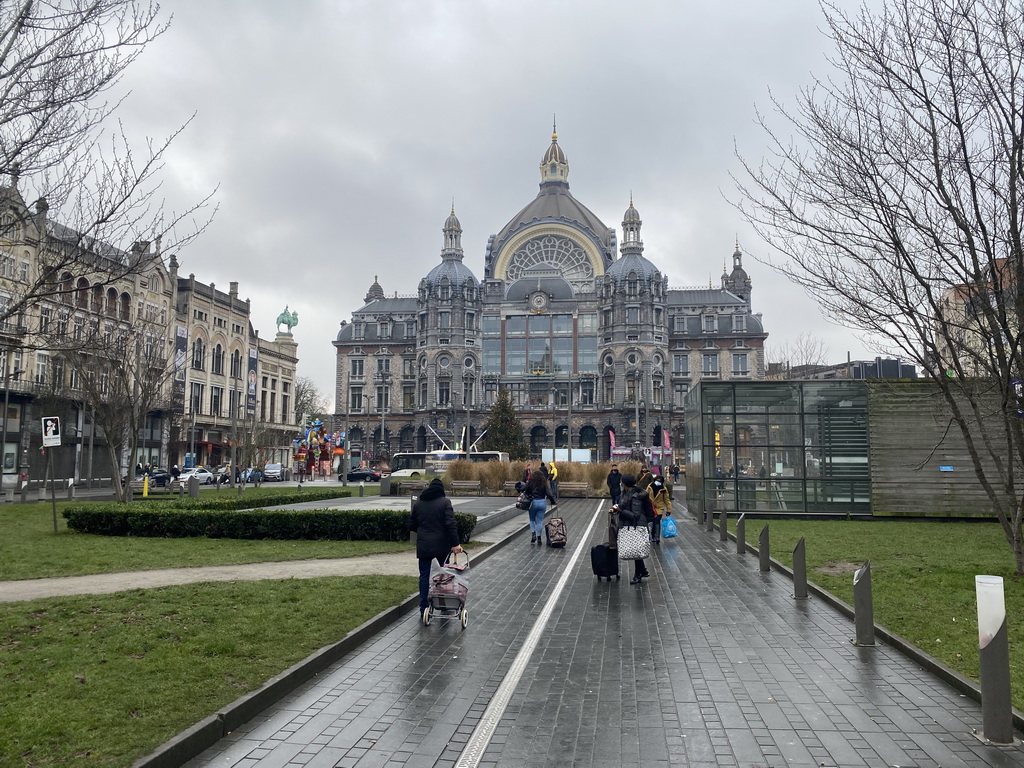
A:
(51, 431)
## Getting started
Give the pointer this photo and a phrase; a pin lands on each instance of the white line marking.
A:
(481, 736)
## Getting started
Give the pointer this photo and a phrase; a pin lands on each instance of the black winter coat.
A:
(631, 507)
(433, 519)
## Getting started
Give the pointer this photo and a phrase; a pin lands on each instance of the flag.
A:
(611, 437)
(666, 441)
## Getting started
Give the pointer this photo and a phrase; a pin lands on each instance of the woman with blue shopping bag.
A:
(664, 525)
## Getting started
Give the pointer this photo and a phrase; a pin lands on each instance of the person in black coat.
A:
(631, 512)
(614, 484)
(433, 520)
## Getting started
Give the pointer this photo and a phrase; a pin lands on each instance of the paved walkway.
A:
(710, 663)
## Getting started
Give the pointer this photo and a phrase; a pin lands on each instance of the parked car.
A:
(361, 474)
(206, 477)
(158, 478)
(273, 472)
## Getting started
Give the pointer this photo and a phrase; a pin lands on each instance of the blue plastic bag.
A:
(668, 528)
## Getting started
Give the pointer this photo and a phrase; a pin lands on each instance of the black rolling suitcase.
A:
(605, 562)
(556, 533)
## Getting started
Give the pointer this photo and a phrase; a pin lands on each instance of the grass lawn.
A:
(922, 579)
(102, 680)
(30, 550)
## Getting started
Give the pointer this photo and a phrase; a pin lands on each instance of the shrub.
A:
(315, 524)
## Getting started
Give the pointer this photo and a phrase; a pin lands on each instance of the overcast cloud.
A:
(340, 132)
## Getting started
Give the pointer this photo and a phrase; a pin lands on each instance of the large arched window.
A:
(217, 362)
(198, 354)
(236, 364)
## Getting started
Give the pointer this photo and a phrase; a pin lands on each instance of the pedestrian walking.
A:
(661, 500)
(614, 484)
(526, 474)
(538, 491)
(645, 478)
(175, 472)
(433, 520)
(631, 512)
(553, 481)
(675, 474)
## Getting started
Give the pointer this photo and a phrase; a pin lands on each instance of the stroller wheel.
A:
(464, 617)
(425, 618)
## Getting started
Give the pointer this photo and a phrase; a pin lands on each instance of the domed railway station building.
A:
(595, 349)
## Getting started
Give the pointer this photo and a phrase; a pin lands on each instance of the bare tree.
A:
(796, 358)
(59, 136)
(122, 375)
(310, 403)
(899, 195)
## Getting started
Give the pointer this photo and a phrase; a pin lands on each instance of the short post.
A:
(723, 526)
(741, 535)
(362, 487)
(71, 490)
(994, 654)
(412, 503)
(763, 554)
(800, 571)
(863, 612)
(709, 520)
(193, 487)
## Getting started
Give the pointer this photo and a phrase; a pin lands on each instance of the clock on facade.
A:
(539, 301)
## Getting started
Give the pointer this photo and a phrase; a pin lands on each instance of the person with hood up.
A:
(433, 520)
(662, 502)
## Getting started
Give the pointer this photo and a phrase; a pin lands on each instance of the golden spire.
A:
(554, 127)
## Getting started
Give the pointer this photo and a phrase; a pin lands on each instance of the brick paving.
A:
(709, 663)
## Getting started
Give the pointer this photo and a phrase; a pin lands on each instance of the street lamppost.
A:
(192, 438)
(8, 378)
(467, 396)
(385, 380)
(636, 404)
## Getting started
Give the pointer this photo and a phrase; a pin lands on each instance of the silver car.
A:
(273, 472)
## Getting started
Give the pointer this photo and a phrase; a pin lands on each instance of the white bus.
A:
(436, 462)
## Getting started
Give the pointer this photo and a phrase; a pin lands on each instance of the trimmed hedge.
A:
(173, 521)
(252, 499)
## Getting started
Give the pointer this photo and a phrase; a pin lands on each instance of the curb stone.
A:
(196, 739)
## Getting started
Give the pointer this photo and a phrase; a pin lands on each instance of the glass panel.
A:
(717, 398)
(515, 356)
(540, 355)
(784, 430)
(587, 323)
(786, 462)
(515, 324)
(490, 324)
(562, 355)
(586, 354)
(561, 323)
(785, 495)
(491, 355)
(834, 394)
(769, 397)
(539, 324)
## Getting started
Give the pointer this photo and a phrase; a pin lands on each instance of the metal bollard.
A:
(362, 487)
(723, 526)
(994, 655)
(763, 553)
(709, 521)
(863, 612)
(799, 571)
(741, 535)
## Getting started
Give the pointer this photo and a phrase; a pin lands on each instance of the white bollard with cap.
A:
(994, 657)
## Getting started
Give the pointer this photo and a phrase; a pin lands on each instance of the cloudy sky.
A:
(340, 131)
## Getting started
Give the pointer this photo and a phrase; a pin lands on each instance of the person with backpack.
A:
(661, 500)
(631, 512)
(538, 492)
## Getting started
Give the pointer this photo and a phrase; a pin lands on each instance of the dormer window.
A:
(384, 329)
(445, 291)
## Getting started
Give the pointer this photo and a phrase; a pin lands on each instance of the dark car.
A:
(363, 475)
(158, 478)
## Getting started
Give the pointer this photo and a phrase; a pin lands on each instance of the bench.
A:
(509, 488)
(412, 485)
(460, 486)
(567, 488)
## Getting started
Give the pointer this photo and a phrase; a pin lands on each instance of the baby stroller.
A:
(449, 587)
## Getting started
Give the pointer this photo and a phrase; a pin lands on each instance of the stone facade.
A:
(594, 346)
